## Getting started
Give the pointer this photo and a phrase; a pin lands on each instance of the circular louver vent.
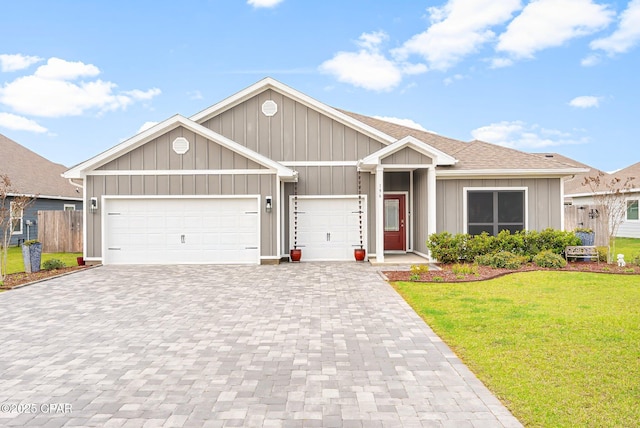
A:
(269, 108)
(181, 145)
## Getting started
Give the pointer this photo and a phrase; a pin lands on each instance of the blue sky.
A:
(77, 77)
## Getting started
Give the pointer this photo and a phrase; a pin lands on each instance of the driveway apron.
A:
(293, 345)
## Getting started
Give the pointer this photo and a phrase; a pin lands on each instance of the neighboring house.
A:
(32, 175)
(581, 195)
(270, 168)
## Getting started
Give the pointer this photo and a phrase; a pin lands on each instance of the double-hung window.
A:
(492, 211)
(16, 218)
(632, 209)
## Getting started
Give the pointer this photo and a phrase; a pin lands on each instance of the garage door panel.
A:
(328, 228)
(174, 231)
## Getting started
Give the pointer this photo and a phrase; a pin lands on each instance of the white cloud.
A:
(367, 68)
(626, 36)
(195, 95)
(264, 3)
(590, 61)
(549, 23)
(449, 80)
(458, 29)
(17, 62)
(19, 123)
(585, 101)
(519, 135)
(54, 91)
(146, 126)
(501, 62)
(409, 123)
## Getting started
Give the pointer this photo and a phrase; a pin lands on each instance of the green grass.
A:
(561, 349)
(627, 246)
(16, 265)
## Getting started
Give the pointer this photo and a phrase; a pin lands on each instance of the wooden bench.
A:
(582, 252)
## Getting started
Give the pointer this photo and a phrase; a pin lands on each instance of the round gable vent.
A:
(269, 108)
(181, 145)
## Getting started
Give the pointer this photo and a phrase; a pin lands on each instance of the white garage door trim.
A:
(190, 246)
(333, 224)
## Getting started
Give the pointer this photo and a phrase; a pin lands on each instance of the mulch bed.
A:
(15, 279)
(486, 272)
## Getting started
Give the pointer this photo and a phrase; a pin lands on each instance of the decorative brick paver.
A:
(293, 345)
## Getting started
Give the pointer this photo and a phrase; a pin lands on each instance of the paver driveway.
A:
(290, 345)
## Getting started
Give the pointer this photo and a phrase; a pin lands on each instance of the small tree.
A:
(608, 193)
(9, 208)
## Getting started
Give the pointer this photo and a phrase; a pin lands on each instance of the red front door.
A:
(395, 236)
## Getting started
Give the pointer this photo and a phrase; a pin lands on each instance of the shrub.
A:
(635, 260)
(502, 259)
(418, 269)
(549, 259)
(52, 264)
(603, 254)
(464, 269)
(444, 247)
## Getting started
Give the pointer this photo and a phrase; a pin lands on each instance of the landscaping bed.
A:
(481, 273)
(16, 279)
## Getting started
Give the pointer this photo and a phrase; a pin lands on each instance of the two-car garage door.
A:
(181, 230)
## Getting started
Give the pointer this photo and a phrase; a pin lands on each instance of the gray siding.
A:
(407, 156)
(545, 205)
(420, 211)
(157, 154)
(397, 181)
(294, 133)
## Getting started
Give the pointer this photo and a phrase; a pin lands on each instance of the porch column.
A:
(379, 213)
(431, 202)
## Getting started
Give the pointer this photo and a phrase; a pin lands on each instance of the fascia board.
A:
(508, 173)
(269, 83)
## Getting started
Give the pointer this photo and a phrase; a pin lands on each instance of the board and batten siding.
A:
(544, 202)
(295, 133)
(407, 156)
(420, 211)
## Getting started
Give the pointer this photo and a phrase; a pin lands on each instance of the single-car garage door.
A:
(181, 231)
(328, 227)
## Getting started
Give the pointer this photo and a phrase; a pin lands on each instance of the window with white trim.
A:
(492, 211)
(16, 218)
(632, 209)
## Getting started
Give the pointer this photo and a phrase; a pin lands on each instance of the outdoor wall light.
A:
(94, 204)
(268, 205)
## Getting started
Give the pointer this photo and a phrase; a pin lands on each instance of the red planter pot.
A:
(360, 254)
(295, 254)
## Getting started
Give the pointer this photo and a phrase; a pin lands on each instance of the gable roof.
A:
(439, 157)
(476, 157)
(31, 174)
(632, 171)
(173, 122)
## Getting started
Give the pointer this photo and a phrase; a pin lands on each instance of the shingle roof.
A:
(575, 184)
(632, 171)
(31, 174)
(475, 155)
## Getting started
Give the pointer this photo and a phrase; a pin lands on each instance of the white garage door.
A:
(328, 228)
(181, 231)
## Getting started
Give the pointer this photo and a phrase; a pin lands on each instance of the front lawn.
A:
(16, 265)
(627, 246)
(559, 348)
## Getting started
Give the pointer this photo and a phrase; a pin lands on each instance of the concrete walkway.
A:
(294, 345)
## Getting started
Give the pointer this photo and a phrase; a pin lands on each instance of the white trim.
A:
(497, 173)
(278, 212)
(65, 206)
(438, 157)
(562, 204)
(151, 172)
(319, 163)
(408, 247)
(410, 221)
(379, 204)
(104, 213)
(604, 192)
(270, 83)
(162, 128)
(465, 192)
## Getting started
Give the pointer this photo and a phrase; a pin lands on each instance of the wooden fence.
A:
(587, 217)
(60, 231)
